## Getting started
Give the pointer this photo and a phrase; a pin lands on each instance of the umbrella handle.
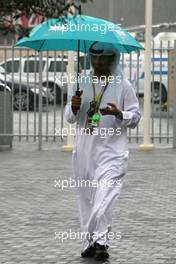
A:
(78, 93)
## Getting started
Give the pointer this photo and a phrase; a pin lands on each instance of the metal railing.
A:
(21, 75)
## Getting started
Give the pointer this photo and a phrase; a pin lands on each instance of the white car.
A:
(27, 70)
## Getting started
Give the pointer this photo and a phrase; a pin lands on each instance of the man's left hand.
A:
(112, 110)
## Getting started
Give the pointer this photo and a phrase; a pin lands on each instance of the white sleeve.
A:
(131, 112)
(69, 115)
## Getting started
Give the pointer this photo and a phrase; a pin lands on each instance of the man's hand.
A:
(76, 103)
(112, 110)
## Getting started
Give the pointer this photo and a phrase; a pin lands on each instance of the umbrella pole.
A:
(78, 68)
(78, 60)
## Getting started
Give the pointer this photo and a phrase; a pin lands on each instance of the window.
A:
(9, 66)
(32, 66)
(57, 66)
(2, 88)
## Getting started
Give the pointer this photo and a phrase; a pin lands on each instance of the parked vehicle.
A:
(54, 69)
(28, 68)
(25, 96)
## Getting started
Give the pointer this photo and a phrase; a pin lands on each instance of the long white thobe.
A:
(101, 158)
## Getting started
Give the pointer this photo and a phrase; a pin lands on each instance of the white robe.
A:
(101, 158)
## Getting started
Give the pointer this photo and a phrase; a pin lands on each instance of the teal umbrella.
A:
(73, 32)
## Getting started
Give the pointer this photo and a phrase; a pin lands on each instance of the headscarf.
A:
(102, 48)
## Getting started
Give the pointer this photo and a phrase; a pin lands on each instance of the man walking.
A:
(106, 108)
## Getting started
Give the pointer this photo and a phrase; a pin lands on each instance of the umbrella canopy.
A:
(73, 32)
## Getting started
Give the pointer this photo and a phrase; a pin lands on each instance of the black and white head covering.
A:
(106, 49)
(100, 48)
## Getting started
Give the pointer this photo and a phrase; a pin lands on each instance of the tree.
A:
(12, 10)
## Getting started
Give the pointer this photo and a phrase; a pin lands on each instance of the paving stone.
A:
(32, 210)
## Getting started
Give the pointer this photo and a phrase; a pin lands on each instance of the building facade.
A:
(132, 12)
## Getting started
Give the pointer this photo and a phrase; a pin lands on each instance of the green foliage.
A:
(47, 8)
(13, 9)
(163, 107)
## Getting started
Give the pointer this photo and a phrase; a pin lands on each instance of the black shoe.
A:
(101, 252)
(88, 252)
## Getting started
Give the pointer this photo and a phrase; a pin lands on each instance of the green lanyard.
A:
(97, 99)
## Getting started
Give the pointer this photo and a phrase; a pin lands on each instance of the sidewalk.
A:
(33, 210)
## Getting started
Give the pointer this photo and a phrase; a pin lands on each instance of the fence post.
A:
(40, 104)
(147, 80)
(70, 71)
(174, 94)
